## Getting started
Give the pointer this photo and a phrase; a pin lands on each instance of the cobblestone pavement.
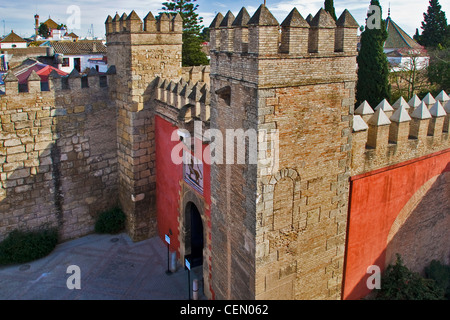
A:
(112, 268)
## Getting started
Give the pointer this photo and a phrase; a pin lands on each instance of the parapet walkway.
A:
(112, 268)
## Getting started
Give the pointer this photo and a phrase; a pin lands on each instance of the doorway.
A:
(194, 236)
(77, 64)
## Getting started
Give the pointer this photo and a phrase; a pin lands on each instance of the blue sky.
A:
(18, 15)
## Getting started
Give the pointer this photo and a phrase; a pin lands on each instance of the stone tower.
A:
(140, 50)
(278, 227)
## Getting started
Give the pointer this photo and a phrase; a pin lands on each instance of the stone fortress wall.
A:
(58, 154)
(276, 232)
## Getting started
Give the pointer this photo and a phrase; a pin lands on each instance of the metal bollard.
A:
(195, 289)
(173, 261)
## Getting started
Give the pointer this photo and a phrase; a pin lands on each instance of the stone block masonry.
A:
(58, 162)
(140, 50)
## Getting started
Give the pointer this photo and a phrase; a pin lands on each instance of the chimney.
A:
(36, 25)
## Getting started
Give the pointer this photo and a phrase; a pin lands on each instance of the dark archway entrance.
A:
(194, 235)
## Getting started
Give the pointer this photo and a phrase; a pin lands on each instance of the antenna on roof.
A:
(91, 32)
(389, 10)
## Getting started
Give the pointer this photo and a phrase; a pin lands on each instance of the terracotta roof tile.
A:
(12, 37)
(79, 47)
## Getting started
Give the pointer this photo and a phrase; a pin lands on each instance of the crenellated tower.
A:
(140, 50)
(279, 225)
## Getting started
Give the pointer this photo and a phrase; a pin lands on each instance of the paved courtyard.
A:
(112, 268)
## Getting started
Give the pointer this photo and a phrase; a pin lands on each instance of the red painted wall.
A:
(168, 178)
(376, 200)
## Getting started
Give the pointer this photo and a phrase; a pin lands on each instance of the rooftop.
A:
(13, 38)
(397, 38)
(42, 70)
(79, 47)
(51, 24)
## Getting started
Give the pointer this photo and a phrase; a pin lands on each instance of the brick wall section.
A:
(301, 249)
(58, 158)
(233, 192)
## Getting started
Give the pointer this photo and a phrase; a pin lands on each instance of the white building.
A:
(80, 55)
(99, 64)
(12, 41)
(402, 51)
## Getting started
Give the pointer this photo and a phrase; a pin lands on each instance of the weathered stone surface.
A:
(46, 181)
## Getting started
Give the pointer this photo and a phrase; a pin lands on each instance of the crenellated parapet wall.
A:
(259, 49)
(197, 74)
(162, 24)
(186, 101)
(88, 84)
(143, 49)
(388, 135)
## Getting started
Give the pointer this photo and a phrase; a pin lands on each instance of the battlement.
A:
(88, 83)
(389, 135)
(260, 34)
(132, 23)
(131, 30)
(190, 101)
(263, 53)
(196, 74)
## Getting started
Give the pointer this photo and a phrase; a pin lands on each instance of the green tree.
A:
(417, 36)
(400, 283)
(373, 67)
(205, 34)
(43, 31)
(192, 39)
(434, 26)
(329, 7)
(411, 75)
(439, 69)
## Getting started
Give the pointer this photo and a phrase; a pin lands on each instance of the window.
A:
(66, 62)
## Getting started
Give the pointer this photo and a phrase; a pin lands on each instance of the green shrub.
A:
(26, 246)
(441, 274)
(112, 222)
(399, 283)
